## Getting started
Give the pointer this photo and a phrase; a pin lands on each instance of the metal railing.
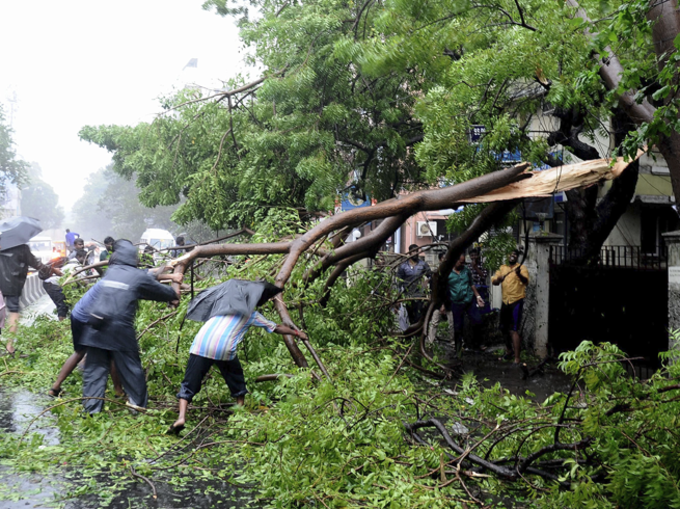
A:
(616, 257)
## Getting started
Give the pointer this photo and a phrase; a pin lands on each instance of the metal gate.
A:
(622, 300)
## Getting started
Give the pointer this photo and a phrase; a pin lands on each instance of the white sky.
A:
(88, 62)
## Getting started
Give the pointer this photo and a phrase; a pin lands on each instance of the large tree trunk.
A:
(666, 27)
(591, 222)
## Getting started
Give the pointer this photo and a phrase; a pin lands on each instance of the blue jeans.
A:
(459, 310)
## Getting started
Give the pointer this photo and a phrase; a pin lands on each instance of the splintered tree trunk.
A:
(503, 187)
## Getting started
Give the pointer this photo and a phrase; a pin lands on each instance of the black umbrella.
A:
(18, 230)
(233, 297)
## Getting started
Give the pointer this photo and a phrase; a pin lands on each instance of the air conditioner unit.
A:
(426, 228)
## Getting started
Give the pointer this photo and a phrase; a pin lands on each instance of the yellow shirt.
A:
(513, 288)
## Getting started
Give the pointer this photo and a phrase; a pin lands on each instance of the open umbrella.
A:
(18, 230)
(233, 297)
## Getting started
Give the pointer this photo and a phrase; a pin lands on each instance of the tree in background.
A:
(39, 200)
(12, 170)
(87, 217)
(110, 205)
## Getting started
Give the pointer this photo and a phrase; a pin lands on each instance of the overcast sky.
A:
(67, 64)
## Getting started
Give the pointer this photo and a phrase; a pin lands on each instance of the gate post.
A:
(538, 293)
(672, 240)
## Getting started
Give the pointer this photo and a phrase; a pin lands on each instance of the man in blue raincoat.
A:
(111, 334)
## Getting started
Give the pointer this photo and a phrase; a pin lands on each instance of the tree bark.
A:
(666, 27)
(502, 186)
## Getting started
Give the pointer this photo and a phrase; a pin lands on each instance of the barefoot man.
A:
(216, 343)
(513, 279)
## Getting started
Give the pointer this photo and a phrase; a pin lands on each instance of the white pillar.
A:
(537, 304)
(672, 240)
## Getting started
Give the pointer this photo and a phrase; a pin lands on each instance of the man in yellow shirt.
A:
(513, 279)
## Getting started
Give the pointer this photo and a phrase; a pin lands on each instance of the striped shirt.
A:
(219, 336)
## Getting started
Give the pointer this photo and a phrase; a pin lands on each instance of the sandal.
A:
(55, 393)
(174, 430)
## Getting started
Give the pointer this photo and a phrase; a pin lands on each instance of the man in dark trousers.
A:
(111, 334)
(49, 275)
(14, 264)
(414, 273)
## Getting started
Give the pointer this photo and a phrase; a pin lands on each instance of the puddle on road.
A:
(22, 490)
(17, 409)
(489, 370)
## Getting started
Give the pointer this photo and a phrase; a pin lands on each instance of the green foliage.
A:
(343, 442)
(496, 243)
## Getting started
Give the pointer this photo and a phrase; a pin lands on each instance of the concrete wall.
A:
(33, 290)
(672, 240)
(536, 305)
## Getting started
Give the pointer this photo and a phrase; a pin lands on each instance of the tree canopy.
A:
(380, 97)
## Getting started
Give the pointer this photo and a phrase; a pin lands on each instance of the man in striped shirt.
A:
(216, 343)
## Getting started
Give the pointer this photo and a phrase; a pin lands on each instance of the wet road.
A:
(20, 490)
(19, 407)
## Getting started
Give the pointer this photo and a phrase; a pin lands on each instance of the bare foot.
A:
(176, 427)
(240, 401)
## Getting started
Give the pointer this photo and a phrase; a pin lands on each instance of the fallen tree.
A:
(501, 187)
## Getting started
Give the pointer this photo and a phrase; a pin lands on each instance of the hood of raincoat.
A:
(124, 253)
(233, 297)
(112, 312)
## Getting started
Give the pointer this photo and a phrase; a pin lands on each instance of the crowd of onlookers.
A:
(466, 295)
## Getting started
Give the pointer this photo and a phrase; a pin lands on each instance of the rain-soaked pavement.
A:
(21, 490)
(19, 407)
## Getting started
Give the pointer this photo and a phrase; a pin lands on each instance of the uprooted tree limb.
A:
(501, 189)
(503, 186)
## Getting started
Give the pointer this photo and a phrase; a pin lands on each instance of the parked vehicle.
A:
(41, 247)
(156, 238)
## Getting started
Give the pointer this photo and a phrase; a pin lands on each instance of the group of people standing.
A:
(465, 296)
(103, 334)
